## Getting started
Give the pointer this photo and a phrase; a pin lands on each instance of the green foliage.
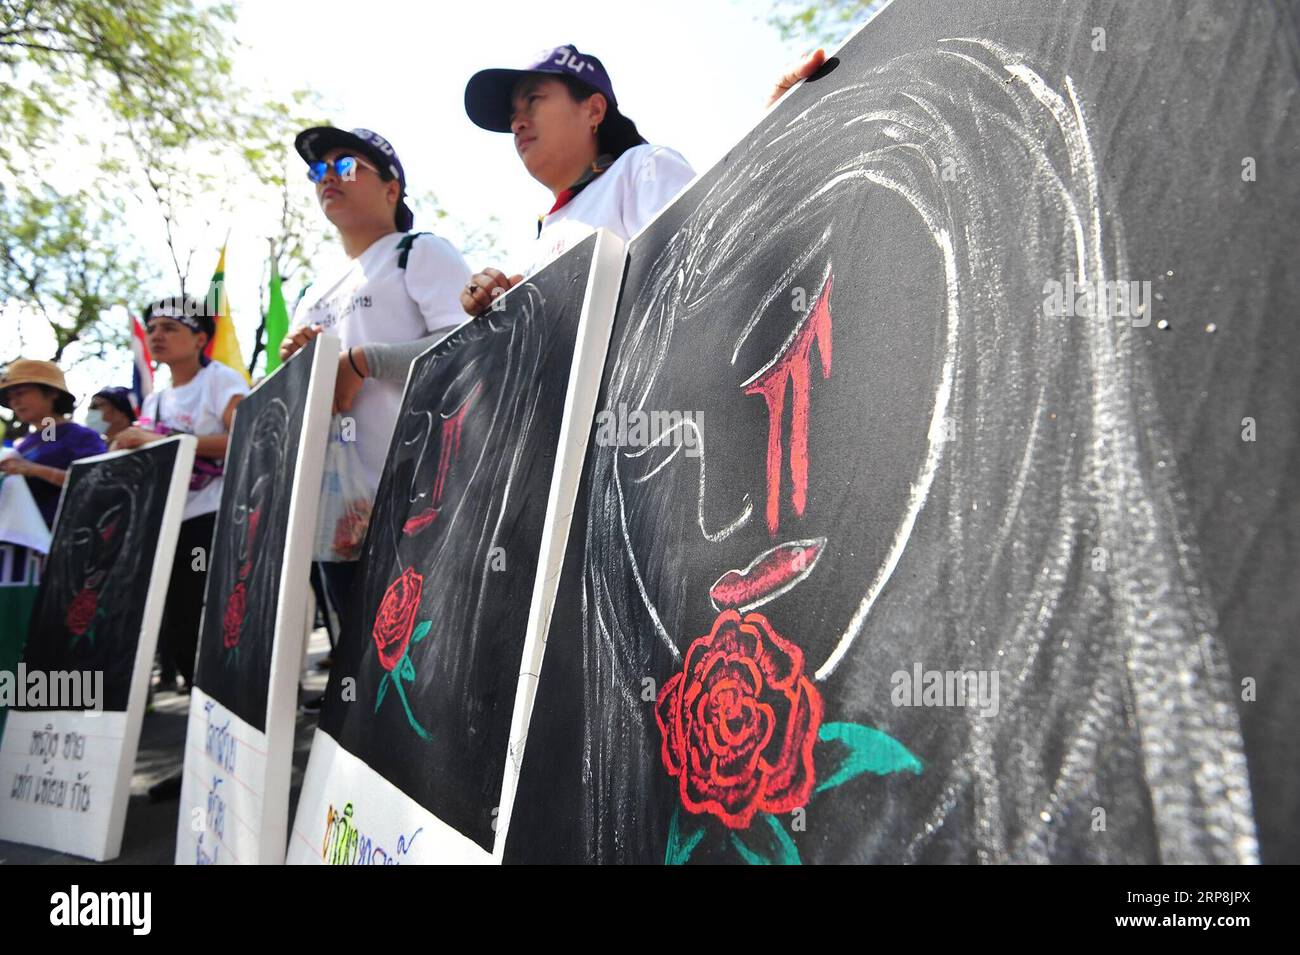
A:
(477, 240)
(58, 258)
(144, 87)
(821, 23)
(129, 58)
(148, 70)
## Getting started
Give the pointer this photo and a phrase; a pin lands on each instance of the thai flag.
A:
(142, 373)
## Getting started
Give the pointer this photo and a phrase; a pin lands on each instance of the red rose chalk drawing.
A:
(394, 632)
(395, 628)
(232, 619)
(85, 610)
(741, 721)
(82, 612)
(740, 726)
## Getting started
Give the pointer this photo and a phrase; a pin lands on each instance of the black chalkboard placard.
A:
(433, 643)
(247, 559)
(90, 607)
(68, 753)
(989, 550)
(239, 742)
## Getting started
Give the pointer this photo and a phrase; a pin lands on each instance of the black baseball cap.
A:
(487, 95)
(314, 143)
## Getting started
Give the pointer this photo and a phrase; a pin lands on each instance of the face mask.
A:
(95, 421)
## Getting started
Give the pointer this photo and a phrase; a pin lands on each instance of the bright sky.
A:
(693, 74)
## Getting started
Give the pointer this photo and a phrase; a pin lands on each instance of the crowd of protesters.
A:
(400, 291)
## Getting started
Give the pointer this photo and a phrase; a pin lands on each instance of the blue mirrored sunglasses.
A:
(344, 166)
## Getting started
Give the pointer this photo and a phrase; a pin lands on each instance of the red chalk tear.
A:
(792, 370)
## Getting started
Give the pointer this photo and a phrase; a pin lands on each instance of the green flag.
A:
(277, 321)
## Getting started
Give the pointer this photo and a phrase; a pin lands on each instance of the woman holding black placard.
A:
(201, 401)
(39, 397)
(572, 138)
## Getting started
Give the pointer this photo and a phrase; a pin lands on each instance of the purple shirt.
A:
(71, 441)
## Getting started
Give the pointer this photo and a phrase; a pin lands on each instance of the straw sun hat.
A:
(28, 371)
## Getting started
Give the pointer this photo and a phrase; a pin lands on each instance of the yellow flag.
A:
(224, 346)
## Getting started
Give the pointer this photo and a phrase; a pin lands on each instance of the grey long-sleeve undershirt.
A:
(391, 362)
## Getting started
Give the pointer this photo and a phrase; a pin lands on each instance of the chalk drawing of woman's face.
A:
(812, 380)
(248, 515)
(262, 481)
(100, 543)
(435, 436)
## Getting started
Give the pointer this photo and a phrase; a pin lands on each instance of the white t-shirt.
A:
(372, 301)
(197, 407)
(622, 199)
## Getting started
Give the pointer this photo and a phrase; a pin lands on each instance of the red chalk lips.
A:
(420, 521)
(769, 575)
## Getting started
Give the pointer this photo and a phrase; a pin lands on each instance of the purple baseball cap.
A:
(314, 143)
(487, 95)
